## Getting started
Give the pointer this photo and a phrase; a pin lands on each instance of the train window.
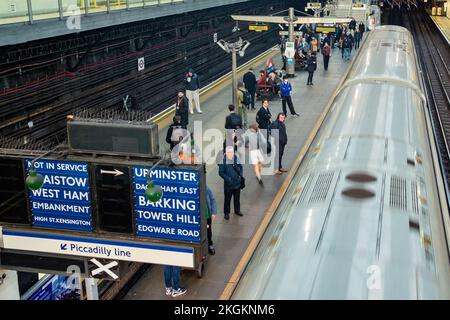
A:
(358, 193)
(361, 177)
(414, 224)
(410, 162)
(13, 200)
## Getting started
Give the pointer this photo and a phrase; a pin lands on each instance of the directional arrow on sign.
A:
(63, 246)
(115, 172)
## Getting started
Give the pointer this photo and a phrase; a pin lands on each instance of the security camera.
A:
(223, 45)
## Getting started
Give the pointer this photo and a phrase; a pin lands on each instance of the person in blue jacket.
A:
(230, 170)
(285, 93)
(211, 212)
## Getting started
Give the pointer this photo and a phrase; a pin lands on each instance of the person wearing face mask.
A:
(285, 92)
(182, 109)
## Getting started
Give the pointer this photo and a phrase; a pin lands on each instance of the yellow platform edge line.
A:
(206, 93)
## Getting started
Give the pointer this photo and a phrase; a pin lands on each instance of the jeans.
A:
(287, 100)
(236, 194)
(346, 53)
(252, 94)
(172, 272)
(310, 76)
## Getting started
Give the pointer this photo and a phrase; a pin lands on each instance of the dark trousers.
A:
(236, 194)
(209, 231)
(326, 60)
(310, 76)
(287, 100)
(280, 154)
(356, 44)
(252, 94)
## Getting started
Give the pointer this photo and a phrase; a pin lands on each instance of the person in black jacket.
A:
(282, 139)
(250, 85)
(263, 115)
(231, 171)
(312, 66)
(176, 132)
(182, 108)
(233, 120)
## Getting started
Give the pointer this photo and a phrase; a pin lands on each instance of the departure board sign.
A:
(177, 215)
(64, 201)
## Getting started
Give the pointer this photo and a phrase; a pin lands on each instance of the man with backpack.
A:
(285, 92)
(176, 132)
(244, 100)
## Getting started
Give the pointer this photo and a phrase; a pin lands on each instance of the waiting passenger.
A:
(172, 275)
(250, 85)
(274, 81)
(244, 100)
(282, 139)
(182, 108)
(285, 92)
(233, 121)
(192, 84)
(357, 39)
(263, 116)
(176, 132)
(231, 171)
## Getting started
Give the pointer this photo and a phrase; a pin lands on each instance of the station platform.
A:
(231, 238)
(443, 24)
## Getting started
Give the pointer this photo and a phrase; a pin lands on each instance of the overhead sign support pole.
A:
(290, 66)
(290, 20)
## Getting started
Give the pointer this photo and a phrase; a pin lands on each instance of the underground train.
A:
(363, 215)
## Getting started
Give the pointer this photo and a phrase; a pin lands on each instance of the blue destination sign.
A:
(177, 215)
(64, 201)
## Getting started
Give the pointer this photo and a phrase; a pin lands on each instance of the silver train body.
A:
(362, 217)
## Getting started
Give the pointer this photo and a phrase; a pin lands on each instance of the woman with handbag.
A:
(231, 171)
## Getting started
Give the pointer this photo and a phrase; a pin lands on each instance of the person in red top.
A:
(262, 78)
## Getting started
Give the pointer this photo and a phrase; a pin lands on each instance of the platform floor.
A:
(443, 24)
(232, 237)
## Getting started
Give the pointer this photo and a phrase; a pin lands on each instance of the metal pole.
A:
(108, 6)
(30, 12)
(290, 67)
(86, 7)
(60, 9)
(234, 72)
(128, 4)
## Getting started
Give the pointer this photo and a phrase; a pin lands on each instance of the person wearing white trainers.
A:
(192, 85)
(173, 273)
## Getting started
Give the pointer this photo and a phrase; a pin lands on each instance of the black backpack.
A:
(247, 98)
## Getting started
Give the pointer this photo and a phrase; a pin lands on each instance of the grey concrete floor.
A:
(232, 237)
